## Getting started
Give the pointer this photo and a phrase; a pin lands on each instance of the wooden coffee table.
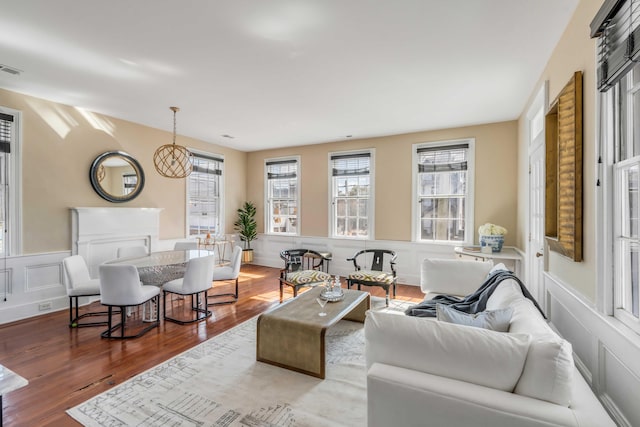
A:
(292, 334)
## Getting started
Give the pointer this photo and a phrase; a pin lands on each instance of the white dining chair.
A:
(80, 284)
(196, 281)
(229, 272)
(132, 252)
(185, 246)
(120, 287)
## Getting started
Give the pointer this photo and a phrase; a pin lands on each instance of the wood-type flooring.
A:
(67, 366)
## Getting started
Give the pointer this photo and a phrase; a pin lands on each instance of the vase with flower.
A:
(491, 237)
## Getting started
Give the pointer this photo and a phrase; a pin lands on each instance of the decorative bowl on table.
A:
(332, 296)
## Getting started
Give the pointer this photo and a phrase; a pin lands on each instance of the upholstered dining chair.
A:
(120, 287)
(302, 267)
(80, 284)
(185, 246)
(196, 281)
(376, 275)
(228, 272)
(132, 252)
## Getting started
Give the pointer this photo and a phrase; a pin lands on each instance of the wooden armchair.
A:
(376, 276)
(303, 267)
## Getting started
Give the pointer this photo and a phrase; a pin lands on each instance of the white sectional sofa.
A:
(424, 372)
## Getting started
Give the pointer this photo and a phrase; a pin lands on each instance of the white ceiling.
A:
(274, 73)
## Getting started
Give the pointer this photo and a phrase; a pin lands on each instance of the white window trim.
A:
(469, 231)
(604, 201)
(372, 191)
(267, 210)
(15, 193)
(607, 284)
(222, 192)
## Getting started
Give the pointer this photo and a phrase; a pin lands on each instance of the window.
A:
(443, 178)
(129, 182)
(282, 196)
(351, 195)
(617, 25)
(205, 196)
(9, 182)
(625, 211)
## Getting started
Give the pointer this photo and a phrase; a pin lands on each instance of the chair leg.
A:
(201, 313)
(74, 321)
(123, 316)
(234, 297)
(281, 290)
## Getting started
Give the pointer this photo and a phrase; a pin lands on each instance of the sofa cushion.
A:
(548, 371)
(453, 276)
(505, 294)
(526, 319)
(307, 277)
(475, 355)
(495, 320)
(372, 276)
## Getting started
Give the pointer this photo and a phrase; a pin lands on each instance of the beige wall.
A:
(495, 179)
(59, 145)
(574, 52)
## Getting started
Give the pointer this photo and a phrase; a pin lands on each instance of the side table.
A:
(9, 381)
(509, 255)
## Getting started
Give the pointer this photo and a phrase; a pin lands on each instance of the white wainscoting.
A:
(31, 281)
(267, 250)
(606, 352)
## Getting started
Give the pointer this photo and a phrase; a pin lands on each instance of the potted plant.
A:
(247, 227)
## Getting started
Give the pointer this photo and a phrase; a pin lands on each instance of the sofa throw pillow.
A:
(495, 320)
(548, 371)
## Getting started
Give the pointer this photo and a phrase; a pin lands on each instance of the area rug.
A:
(219, 383)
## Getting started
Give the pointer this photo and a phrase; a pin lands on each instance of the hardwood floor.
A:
(66, 366)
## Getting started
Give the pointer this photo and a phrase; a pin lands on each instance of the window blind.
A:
(617, 26)
(207, 164)
(442, 159)
(282, 169)
(351, 164)
(6, 125)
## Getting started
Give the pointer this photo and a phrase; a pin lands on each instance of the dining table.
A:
(158, 268)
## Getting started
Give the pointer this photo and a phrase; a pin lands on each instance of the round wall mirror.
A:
(116, 176)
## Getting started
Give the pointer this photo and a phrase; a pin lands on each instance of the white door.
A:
(535, 244)
(535, 247)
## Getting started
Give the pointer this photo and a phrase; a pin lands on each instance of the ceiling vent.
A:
(10, 70)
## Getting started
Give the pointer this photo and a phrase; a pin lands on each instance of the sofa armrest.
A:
(398, 396)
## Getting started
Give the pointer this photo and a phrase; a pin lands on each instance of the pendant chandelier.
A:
(171, 160)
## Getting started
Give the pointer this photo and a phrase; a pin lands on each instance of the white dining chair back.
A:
(185, 246)
(120, 286)
(132, 252)
(196, 281)
(78, 274)
(198, 276)
(80, 284)
(228, 272)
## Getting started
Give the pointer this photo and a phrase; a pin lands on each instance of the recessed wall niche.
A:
(563, 193)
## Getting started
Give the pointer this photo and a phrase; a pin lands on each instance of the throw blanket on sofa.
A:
(474, 303)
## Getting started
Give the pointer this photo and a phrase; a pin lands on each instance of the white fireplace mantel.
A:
(97, 233)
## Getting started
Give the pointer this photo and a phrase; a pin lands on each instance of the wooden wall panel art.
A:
(563, 198)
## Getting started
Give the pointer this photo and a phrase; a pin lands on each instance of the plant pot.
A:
(247, 255)
(495, 242)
